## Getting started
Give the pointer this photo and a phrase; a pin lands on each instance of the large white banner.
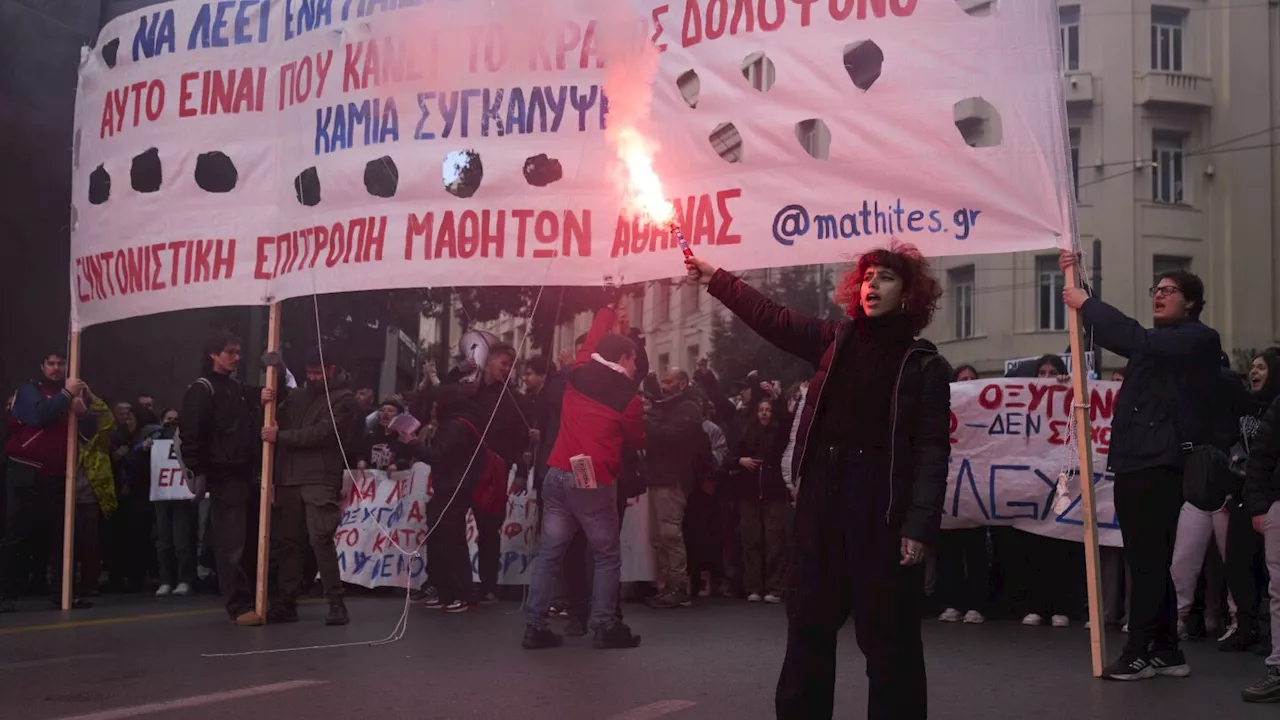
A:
(381, 512)
(167, 481)
(1008, 446)
(241, 152)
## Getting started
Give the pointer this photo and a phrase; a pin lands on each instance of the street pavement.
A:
(718, 660)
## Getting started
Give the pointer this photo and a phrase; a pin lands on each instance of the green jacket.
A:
(308, 451)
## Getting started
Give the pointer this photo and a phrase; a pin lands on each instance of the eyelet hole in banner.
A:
(463, 172)
(977, 8)
(381, 177)
(689, 86)
(758, 69)
(541, 171)
(307, 187)
(863, 60)
(979, 123)
(216, 173)
(99, 185)
(814, 137)
(727, 142)
(146, 174)
(109, 52)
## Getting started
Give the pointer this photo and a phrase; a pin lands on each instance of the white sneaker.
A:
(1032, 619)
(164, 590)
(973, 617)
(182, 590)
(1124, 628)
(773, 598)
(950, 615)
(1060, 621)
(754, 597)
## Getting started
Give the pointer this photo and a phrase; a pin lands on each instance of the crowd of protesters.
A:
(714, 456)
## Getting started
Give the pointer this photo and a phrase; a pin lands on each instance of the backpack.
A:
(188, 476)
(490, 494)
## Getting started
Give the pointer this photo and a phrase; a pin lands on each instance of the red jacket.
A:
(601, 414)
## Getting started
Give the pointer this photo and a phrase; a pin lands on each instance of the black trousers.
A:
(489, 548)
(964, 571)
(1244, 563)
(231, 498)
(1148, 503)
(448, 552)
(307, 515)
(1049, 575)
(852, 559)
(32, 500)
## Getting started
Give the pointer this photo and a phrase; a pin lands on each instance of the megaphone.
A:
(474, 346)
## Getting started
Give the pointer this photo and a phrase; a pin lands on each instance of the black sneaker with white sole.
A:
(1170, 663)
(1129, 667)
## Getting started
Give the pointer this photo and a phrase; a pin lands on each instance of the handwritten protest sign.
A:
(1007, 448)
(381, 511)
(167, 482)
(241, 152)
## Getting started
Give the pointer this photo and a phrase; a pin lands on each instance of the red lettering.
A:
(726, 216)
(351, 70)
(780, 14)
(805, 7)
(991, 397)
(566, 40)
(522, 229)
(658, 12)
(691, 32)
(546, 230)
(415, 228)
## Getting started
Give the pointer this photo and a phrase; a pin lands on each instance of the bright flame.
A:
(644, 187)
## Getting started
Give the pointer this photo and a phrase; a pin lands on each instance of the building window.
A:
(662, 301)
(636, 316)
(691, 355)
(664, 362)
(1074, 134)
(509, 337)
(692, 300)
(1161, 264)
(1050, 283)
(962, 296)
(1166, 38)
(759, 71)
(1069, 26)
(1167, 175)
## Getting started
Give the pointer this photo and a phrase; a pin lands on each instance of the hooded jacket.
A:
(601, 415)
(220, 428)
(679, 452)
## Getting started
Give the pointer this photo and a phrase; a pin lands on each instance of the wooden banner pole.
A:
(268, 468)
(73, 463)
(1084, 446)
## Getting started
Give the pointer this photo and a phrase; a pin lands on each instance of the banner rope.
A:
(402, 623)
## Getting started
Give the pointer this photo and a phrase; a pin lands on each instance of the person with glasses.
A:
(1165, 406)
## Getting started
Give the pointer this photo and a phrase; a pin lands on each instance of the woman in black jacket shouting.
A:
(755, 474)
(871, 461)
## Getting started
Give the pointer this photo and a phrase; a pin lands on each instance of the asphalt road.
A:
(716, 661)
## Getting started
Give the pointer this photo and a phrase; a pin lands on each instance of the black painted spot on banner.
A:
(146, 173)
(381, 177)
(215, 172)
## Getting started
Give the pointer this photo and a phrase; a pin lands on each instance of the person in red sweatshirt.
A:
(35, 477)
(601, 416)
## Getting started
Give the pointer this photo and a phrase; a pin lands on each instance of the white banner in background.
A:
(231, 153)
(167, 482)
(1007, 449)
(368, 557)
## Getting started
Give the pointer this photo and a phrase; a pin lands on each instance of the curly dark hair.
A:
(920, 290)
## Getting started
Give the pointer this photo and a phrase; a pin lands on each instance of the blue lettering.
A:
(419, 133)
(324, 116)
(935, 221)
(150, 40)
(390, 126)
(220, 23)
(491, 112)
(362, 559)
(913, 220)
(1033, 509)
(582, 104)
(516, 112)
(465, 102)
(448, 109)
(966, 470)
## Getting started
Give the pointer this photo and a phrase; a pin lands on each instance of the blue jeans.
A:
(566, 509)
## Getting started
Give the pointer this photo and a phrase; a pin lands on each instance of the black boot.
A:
(540, 639)
(280, 614)
(617, 637)
(337, 614)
